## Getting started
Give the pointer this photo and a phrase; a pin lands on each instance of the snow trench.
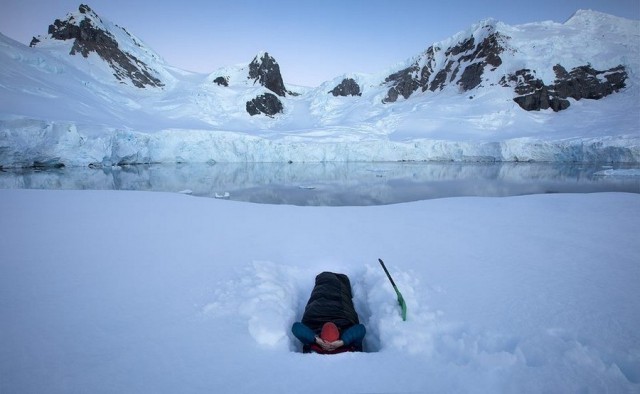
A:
(271, 297)
(268, 298)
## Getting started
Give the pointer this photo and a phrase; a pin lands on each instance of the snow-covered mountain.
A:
(107, 48)
(90, 92)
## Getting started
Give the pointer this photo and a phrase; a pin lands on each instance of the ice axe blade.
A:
(403, 304)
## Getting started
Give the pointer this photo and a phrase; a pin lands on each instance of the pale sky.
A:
(313, 41)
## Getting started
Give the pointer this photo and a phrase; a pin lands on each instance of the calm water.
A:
(333, 184)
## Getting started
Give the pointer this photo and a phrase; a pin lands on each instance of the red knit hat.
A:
(330, 332)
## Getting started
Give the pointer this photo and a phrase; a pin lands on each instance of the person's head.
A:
(330, 332)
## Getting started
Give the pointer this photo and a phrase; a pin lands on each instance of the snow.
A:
(127, 42)
(104, 291)
(619, 172)
(114, 291)
(58, 108)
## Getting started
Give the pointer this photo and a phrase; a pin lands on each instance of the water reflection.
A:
(332, 184)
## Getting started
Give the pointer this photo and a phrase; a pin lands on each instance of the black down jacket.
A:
(330, 301)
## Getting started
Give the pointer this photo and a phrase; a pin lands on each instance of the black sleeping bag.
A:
(330, 301)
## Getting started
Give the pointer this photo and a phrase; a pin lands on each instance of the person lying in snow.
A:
(330, 323)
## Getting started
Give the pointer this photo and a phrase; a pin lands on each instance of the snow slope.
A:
(156, 292)
(63, 109)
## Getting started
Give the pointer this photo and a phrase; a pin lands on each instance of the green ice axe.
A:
(403, 305)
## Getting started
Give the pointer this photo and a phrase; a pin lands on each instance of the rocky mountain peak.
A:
(84, 9)
(466, 61)
(264, 69)
(462, 63)
(91, 35)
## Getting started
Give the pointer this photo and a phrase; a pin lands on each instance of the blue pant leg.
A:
(303, 333)
(354, 335)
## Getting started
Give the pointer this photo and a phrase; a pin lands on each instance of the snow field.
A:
(156, 292)
(105, 291)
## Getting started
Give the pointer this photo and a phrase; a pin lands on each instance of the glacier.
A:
(56, 144)
(60, 109)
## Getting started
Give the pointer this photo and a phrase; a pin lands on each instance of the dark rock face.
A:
(267, 104)
(403, 83)
(89, 38)
(222, 81)
(488, 51)
(462, 47)
(266, 71)
(474, 57)
(440, 79)
(534, 94)
(471, 76)
(584, 82)
(581, 82)
(348, 87)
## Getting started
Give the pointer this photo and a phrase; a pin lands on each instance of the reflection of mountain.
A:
(333, 183)
(91, 93)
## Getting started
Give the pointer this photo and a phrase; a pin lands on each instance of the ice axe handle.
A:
(403, 304)
(387, 272)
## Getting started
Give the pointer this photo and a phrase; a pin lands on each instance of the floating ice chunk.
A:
(619, 172)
